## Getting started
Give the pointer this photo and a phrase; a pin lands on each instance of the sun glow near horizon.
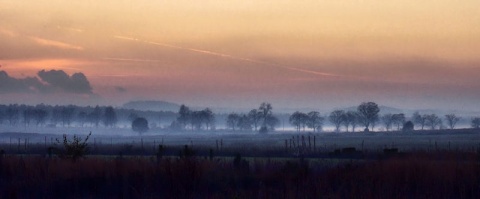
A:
(206, 52)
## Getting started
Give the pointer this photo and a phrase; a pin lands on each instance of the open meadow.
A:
(426, 164)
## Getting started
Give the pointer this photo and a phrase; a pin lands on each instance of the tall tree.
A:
(209, 118)
(28, 115)
(476, 122)
(95, 116)
(337, 117)
(12, 114)
(82, 118)
(351, 119)
(299, 120)
(272, 122)
(255, 117)
(452, 120)
(244, 123)
(315, 121)
(110, 117)
(67, 115)
(398, 120)
(433, 121)
(368, 112)
(387, 120)
(266, 111)
(183, 116)
(419, 119)
(232, 120)
(40, 116)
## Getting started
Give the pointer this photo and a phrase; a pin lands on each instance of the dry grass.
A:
(415, 175)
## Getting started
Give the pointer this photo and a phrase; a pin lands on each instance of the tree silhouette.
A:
(232, 120)
(452, 120)
(110, 117)
(368, 112)
(476, 122)
(433, 121)
(265, 110)
(337, 117)
(183, 116)
(95, 115)
(82, 118)
(387, 120)
(208, 118)
(140, 125)
(67, 115)
(244, 123)
(315, 121)
(272, 122)
(419, 119)
(255, 117)
(399, 120)
(408, 126)
(40, 116)
(350, 119)
(299, 120)
(12, 114)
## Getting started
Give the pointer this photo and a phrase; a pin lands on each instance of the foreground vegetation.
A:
(420, 174)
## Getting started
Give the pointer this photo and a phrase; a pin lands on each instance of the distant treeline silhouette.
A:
(260, 119)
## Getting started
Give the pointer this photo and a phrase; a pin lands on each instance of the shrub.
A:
(75, 148)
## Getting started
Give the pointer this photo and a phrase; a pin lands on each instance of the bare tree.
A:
(184, 114)
(452, 120)
(244, 123)
(266, 111)
(232, 120)
(110, 117)
(476, 122)
(299, 120)
(387, 120)
(337, 117)
(399, 120)
(433, 121)
(351, 119)
(368, 112)
(419, 119)
(208, 118)
(12, 114)
(315, 121)
(255, 117)
(67, 115)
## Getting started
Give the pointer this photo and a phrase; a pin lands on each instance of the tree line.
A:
(259, 119)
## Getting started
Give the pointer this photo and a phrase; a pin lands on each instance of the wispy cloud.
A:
(8, 33)
(56, 44)
(132, 60)
(212, 53)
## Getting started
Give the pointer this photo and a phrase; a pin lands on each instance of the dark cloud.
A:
(59, 80)
(53, 81)
(22, 85)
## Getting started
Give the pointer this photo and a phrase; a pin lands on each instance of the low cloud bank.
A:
(53, 81)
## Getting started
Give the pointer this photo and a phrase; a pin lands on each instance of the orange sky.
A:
(322, 54)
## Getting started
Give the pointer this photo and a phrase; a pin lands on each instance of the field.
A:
(221, 164)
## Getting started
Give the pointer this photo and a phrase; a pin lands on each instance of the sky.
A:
(319, 54)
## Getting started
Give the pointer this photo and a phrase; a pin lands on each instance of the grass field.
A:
(420, 164)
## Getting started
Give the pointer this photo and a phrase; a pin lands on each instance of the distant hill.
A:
(152, 106)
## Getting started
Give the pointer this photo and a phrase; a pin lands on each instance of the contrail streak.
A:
(133, 60)
(219, 55)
